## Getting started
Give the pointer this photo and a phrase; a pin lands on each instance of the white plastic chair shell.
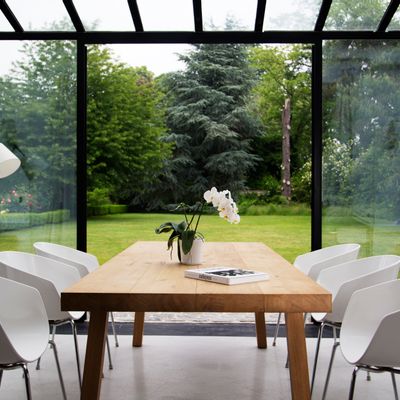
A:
(344, 279)
(24, 329)
(48, 276)
(312, 263)
(84, 262)
(371, 326)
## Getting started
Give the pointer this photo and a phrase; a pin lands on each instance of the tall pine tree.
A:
(210, 121)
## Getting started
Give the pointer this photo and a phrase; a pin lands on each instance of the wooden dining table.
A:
(144, 278)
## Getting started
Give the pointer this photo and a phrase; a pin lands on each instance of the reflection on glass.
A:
(361, 155)
(395, 23)
(229, 15)
(41, 15)
(38, 124)
(291, 14)
(355, 15)
(105, 15)
(173, 15)
(4, 24)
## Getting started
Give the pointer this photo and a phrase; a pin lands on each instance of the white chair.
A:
(50, 278)
(369, 336)
(312, 263)
(342, 281)
(84, 262)
(24, 330)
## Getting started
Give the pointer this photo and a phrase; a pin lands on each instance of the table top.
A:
(144, 278)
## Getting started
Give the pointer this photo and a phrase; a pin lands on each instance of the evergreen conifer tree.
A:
(210, 121)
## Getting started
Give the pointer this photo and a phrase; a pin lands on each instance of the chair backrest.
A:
(24, 328)
(84, 262)
(344, 279)
(371, 326)
(314, 262)
(48, 276)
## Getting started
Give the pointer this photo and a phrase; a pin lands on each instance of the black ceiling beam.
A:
(258, 27)
(198, 16)
(12, 19)
(102, 37)
(73, 14)
(137, 20)
(387, 17)
(323, 15)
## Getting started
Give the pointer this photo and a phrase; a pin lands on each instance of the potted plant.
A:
(190, 240)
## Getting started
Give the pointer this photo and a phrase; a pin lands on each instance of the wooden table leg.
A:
(298, 365)
(261, 332)
(94, 355)
(138, 328)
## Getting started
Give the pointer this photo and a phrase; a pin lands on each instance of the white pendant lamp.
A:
(9, 162)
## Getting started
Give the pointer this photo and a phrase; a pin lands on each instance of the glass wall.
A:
(361, 155)
(38, 124)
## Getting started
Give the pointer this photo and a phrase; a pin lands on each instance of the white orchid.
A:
(224, 203)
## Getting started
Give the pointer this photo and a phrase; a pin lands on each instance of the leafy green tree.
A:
(38, 122)
(125, 125)
(285, 73)
(211, 124)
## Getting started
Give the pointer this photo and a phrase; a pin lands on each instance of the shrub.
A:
(98, 197)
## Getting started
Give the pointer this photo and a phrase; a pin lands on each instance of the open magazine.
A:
(226, 275)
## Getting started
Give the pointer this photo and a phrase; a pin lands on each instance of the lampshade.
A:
(9, 162)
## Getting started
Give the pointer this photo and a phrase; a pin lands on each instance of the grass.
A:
(289, 235)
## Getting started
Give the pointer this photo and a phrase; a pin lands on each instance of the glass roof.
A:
(227, 15)
(395, 23)
(172, 15)
(4, 24)
(41, 15)
(291, 14)
(355, 15)
(105, 15)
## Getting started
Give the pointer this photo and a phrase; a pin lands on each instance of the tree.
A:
(125, 125)
(211, 124)
(38, 121)
(285, 74)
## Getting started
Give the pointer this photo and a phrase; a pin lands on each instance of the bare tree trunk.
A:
(286, 183)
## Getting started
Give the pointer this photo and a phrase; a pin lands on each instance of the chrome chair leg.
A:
(113, 330)
(78, 363)
(27, 381)
(328, 375)
(314, 371)
(54, 347)
(353, 382)
(396, 393)
(53, 334)
(110, 365)
(277, 329)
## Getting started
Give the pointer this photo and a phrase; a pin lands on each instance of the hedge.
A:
(13, 221)
(107, 209)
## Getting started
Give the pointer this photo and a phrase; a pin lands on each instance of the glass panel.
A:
(355, 15)
(41, 15)
(4, 24)
(172, 15)
(229, 15)
(105, 15)
(38, 124)
(395, 23)
(361, 156)
(291, 14)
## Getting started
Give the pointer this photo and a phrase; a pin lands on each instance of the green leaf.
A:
(187, 240)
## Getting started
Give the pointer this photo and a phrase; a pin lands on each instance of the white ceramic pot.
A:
(195, 255)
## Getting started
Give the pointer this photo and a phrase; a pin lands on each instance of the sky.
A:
(169, 15)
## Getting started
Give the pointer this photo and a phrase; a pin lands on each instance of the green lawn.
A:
(289, 235)
(110, 234)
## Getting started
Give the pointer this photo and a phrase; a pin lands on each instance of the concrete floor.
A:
(192, 368)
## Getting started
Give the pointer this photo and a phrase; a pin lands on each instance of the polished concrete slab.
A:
(192, 368)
